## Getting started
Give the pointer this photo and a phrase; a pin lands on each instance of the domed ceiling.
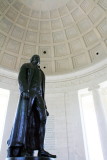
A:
(67, 34)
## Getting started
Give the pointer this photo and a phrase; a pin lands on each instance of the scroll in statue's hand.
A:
(25, 94)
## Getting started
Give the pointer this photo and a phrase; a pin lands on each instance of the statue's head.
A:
(35, 59)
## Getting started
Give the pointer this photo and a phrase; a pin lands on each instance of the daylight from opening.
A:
(90, 127)
(103, 93)
(4, 98)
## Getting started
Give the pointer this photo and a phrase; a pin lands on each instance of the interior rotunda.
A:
(70, 36)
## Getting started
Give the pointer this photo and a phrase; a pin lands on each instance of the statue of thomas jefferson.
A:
(28, 131)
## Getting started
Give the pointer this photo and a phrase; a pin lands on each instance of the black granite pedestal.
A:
(29, 158)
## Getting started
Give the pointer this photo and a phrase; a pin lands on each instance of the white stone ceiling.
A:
(67, 34)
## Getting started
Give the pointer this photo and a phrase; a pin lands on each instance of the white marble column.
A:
(11, 110)
(100, 119)
(76, 149)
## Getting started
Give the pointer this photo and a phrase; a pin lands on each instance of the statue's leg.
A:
(28, 149)
(42, 117)
(42, 133)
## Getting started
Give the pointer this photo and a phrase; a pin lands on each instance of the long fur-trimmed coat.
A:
(24, 125)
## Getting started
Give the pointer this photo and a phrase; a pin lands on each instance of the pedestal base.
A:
(29, 158)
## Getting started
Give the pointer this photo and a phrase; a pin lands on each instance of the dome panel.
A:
(33, 24)
(76, 46)
(106, 42)
(102, 28)
(56, 24)
(22, 20)
(3, 6)
(54, 13)
(61, 50)
(87, 5)
(79, 1)
(85, 25)
(17, 5)
(8, 61)
(96, 14)
(58, 36)
(26, 10)
(2, 39)
(103, 3)
(22, 61)
(12, 14)
(63, 65)
(35, 14)
(45, 38)
(78, 14)
(45, 51)
(28, 50)
(45, 14)
(63, 11)
(91, 38)
(5, 25)
(98, 52)
(67, 21)
(45, 25)
(81, 60)
(71, 5)
(72, 32)
(13, 46)
(31, 36)
(10, 1)
(46, 66)
(17, 32)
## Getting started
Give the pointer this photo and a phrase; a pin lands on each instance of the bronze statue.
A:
(28, 131)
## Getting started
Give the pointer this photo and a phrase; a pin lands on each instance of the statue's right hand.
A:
(25, 94)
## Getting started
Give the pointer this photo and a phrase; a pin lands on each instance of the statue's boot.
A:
(14, 152)
(43, 153)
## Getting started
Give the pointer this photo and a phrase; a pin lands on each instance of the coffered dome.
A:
(67, 34)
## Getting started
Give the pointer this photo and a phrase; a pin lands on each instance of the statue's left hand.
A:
(47, 113)
(25, 94)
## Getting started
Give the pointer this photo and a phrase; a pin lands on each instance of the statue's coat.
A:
(24, 122)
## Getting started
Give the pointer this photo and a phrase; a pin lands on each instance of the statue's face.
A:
(36, 60)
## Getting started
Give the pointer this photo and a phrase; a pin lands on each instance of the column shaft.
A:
(101, 121)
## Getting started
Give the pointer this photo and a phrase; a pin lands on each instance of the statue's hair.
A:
(34, 57)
